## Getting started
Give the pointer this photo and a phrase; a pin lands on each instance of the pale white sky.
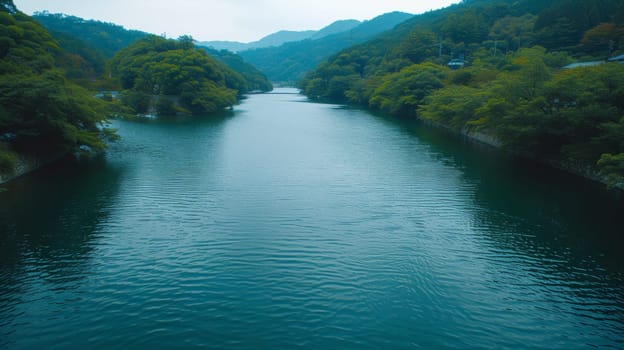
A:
(239, 20)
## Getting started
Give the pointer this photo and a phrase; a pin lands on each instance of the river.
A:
(289, 224)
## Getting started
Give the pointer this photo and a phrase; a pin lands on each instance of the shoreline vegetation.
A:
(42, 111)
(542, 79)
(51, 83)
(578, 169)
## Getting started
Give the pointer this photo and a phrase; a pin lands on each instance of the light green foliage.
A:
(454, 106)
(402, 92)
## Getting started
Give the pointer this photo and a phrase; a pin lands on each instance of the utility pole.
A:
(440, 48)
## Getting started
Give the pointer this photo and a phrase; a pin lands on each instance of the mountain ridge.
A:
(282, 36)
(290, 61)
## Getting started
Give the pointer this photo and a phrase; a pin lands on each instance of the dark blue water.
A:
(288, 224)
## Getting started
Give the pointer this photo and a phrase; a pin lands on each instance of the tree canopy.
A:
(40, 110)
(185, 78)
(107, 38)
(255, 79)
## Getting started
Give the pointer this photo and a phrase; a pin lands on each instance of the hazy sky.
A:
(240, 20)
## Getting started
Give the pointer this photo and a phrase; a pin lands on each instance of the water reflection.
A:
(48, 230)
(53, 213)
(567, 250)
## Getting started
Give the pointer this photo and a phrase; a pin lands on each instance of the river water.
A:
(288, 224)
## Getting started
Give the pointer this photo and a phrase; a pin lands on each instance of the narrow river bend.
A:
(288, 224)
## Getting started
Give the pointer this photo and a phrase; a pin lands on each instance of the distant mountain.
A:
(290, 61)
(282, 37)
(275, 39)
(335, 28)
(233, 46)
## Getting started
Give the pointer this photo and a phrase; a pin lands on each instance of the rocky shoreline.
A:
(27, 164)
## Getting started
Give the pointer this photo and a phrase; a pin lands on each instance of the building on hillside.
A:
(619, 59)
(456, 63)
(583, 64)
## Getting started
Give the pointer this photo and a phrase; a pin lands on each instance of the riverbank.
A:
(571, 167)
(27, 164)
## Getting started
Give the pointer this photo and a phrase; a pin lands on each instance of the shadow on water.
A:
(575, 217)
(52, 221)
(51, 216)
(48, 225)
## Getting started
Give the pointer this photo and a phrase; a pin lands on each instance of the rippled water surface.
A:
(290, 224)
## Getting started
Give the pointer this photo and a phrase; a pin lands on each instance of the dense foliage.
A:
(83, 63)
(40, 111)
(511, 85)
(107, 38)
(174, 77)
(255, 80)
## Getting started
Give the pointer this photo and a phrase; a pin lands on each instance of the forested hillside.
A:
(290, 61)
(494, 68)
(41, 112)
(183, 78)
(89, 44)
(83, 63)
(108, 38)
(255, 79)
(44, 111)
(86, 46)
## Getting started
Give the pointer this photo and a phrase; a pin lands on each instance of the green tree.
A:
(40, 111)
(402, 92)
(513, 33)
(612, 166)
(156, 66)
(418, 46)
(453, 107)
(602, 38)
